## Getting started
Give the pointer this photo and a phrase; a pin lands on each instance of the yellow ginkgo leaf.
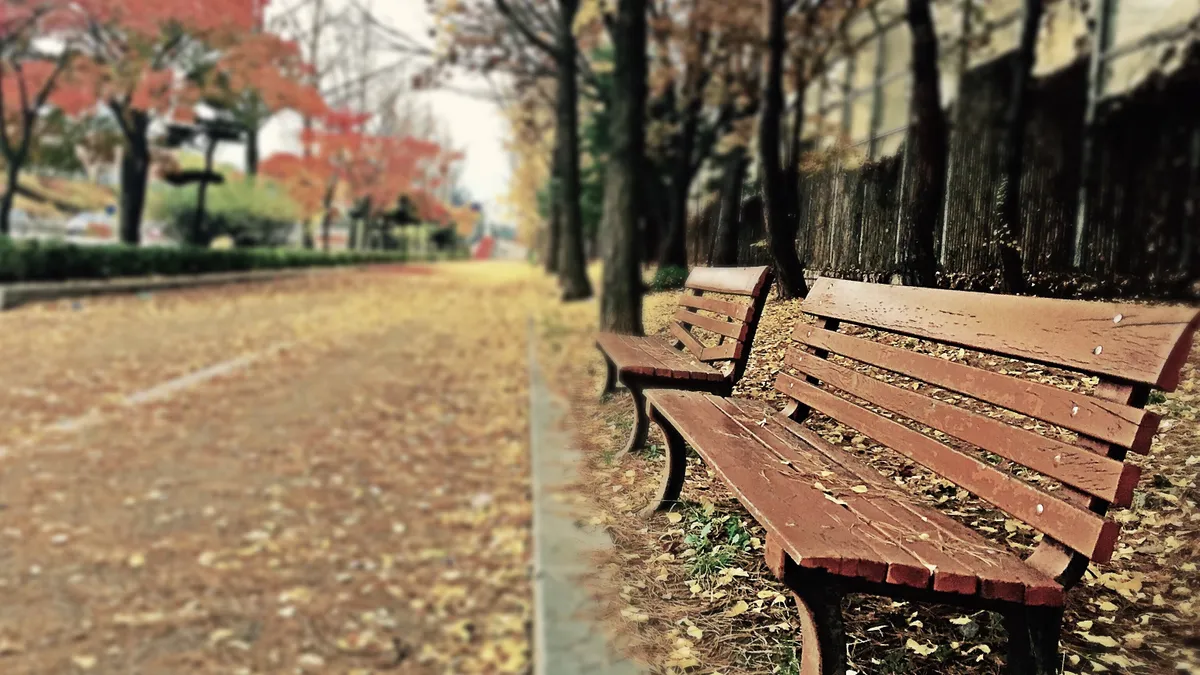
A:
(739, 608)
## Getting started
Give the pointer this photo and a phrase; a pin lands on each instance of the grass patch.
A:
(716, 540)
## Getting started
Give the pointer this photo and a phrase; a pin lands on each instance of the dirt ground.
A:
(350, 496)
(687, 591)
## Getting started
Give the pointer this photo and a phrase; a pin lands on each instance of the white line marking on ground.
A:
(165, 390)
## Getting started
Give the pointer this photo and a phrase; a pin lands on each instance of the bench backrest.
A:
(1076, 441)
(730, 322)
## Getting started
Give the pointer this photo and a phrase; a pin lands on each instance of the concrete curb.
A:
(15, 295)
(566, 641)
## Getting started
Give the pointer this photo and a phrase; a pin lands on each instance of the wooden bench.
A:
(835, 525)
(682, 360)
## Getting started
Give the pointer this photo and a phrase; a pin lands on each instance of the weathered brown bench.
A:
(835, 526)
(682, 360)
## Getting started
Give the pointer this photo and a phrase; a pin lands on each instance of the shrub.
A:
(669, 278)
(28, 261)
(252, 213)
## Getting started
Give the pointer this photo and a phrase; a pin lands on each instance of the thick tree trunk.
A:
(135, 175)
(1012, 154)
(729, 221)
(655, 211)
(573, 273)
(554, 236)
(673, 248)
(621, 300)
(781, 226)
(930, 144)
(252, 151)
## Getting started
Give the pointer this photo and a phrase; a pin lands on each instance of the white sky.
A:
(477, 126)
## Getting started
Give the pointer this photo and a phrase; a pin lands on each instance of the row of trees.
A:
(143, 65)
(678, 84)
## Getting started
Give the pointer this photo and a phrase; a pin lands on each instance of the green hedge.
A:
(252, 213)
(27, 261)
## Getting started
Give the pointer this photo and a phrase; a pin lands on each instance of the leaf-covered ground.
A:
(688, 593)
(354, 500)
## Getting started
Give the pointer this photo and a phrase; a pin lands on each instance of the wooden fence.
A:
(1140, 193)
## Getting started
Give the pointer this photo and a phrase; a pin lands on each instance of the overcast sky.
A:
(477, 126)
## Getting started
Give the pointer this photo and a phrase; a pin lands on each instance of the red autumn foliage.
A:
(273, 69)
(382, 168)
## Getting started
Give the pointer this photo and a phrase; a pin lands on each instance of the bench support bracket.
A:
(641, 423)
(610, 376)
(675, 470)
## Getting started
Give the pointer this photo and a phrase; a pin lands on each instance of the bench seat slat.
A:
(1124, 425)
(961, 541)
(879, 528)
(682, 364)
(652, 357)
(1135, 343)
(1076, 527)
(770, 494)
(903, 568)
(733, 310)
(1094, 473)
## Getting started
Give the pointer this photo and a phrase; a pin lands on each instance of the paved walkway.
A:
(566, 641)
(313, 476)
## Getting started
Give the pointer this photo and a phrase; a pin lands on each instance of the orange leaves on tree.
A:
(305, 179)
(142, 50)
(272, 69)
(381, 168)
(20, 87)
(159, 21)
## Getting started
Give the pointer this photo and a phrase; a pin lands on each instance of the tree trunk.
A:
(930, 145)
(554, 227)
(1012, 154)
(135, 175)
(252, 151)
(201, 196)
(621, 300)
(729, 222)
(327, 215)
(781, 229)
(573, 273)
(553, 238)
(673, 248)
(654, 211)
(12, 174)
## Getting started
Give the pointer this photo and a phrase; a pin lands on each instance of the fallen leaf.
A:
(739, 608)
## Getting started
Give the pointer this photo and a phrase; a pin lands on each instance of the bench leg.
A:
(610, 377)
(822, 633)
(641, 423)
(1033, 640)
(674, 472)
